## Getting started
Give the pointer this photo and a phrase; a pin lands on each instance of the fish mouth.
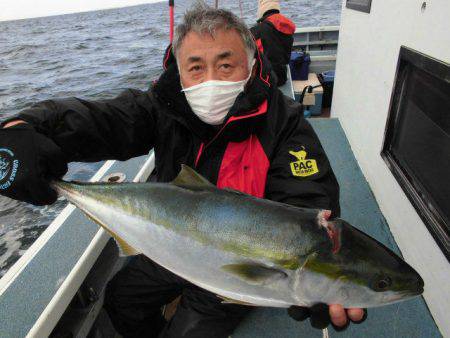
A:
(412, 291)
(404, 295)
(417, 287)
(417, 292)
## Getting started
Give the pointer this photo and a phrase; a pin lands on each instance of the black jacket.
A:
(265, 147)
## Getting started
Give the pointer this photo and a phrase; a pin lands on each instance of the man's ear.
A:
(253, 73)
(252, 76)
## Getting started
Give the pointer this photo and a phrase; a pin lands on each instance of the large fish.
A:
(245, 249)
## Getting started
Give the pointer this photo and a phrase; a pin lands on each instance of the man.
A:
(274, 37)
(216, 109)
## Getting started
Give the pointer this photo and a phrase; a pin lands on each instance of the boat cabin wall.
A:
(368, 52)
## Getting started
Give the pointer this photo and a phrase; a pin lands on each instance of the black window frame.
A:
(418, 196)
(361, 7)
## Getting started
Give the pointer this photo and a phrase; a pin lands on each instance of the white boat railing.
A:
(313, 39)
(317, 29)
(54, 310)
(58, 274)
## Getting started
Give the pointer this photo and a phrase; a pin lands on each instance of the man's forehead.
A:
(223, 44)
(196, 56)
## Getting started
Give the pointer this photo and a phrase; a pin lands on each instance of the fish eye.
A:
(382, 283)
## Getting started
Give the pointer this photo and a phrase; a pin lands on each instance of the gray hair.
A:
(204, 19)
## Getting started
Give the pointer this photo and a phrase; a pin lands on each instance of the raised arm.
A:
(56, 132)
(89, 131)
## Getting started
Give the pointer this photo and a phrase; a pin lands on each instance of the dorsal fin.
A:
(189, 177)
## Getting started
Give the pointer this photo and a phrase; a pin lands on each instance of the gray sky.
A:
(21, 9)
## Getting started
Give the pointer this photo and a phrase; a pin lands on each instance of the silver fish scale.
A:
(248, 249)
(227, 220)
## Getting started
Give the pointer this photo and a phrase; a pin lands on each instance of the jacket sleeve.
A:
(89, 131)
(300, 173)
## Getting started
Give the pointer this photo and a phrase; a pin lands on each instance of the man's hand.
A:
(28, 162)
(321, 315)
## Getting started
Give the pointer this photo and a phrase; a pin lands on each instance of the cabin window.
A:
(359, 5)
(417, 139)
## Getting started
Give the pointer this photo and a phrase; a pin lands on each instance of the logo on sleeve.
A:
(303, 167)
(8, 168)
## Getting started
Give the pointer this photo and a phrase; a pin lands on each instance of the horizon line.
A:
(83, 11)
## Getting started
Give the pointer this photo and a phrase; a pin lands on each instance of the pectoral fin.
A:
(227, 300)
(254, 273)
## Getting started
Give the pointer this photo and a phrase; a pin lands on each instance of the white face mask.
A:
(212, 100)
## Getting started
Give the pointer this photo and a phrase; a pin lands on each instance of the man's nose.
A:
(211, 74)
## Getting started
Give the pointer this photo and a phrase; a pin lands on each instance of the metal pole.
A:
(216, 3)
(171, 14)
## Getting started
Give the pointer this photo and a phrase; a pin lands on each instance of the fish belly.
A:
(197, 262)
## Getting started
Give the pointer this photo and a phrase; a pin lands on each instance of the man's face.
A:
(202, 57)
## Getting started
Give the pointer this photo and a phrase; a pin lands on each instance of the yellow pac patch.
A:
(303, 167)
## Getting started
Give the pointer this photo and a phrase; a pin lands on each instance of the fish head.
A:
(355, 270)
